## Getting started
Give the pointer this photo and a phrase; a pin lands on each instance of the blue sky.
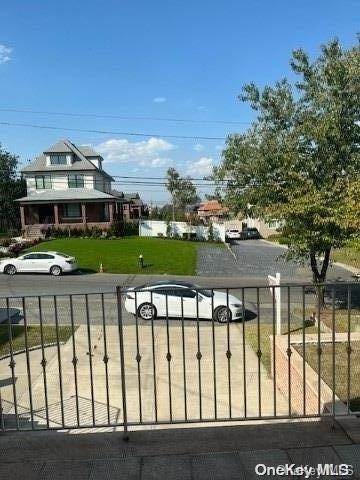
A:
(173, 59)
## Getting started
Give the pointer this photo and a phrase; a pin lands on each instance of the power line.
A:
(125, 117)
(137, 183)
(129, 180)
(127, 134)
(162, 178)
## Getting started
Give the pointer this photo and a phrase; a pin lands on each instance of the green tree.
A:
(11, 188)
(299, 160)
(181, 189)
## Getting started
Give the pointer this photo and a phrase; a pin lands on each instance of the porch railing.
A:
(83, 361)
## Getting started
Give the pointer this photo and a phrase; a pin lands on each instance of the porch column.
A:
(111, 212)
(56, 214)
(83, 213)
(22, 216)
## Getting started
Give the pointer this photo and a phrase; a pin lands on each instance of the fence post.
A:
(122, 362)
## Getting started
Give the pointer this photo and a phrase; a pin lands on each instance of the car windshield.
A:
(204, 291)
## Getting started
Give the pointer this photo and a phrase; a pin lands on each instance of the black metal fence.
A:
(178, 354)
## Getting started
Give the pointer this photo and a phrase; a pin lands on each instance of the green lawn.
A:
(341, 369)
(266, 330)
(341, 320)
(349, 254)
(161, 256)
(34, 336)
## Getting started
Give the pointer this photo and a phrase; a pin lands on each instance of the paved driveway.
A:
(256, 259)
(182, 386)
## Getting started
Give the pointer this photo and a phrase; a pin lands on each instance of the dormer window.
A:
(58, 159)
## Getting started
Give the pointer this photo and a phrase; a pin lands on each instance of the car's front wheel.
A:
(10, 269)
(222, 314)
(146, 311)
(55, 270)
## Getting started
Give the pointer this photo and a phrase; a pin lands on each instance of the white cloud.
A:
(160, 162)
(202, 167)
(145, 153)
(198, 147)
(5, 53)
(159, 99)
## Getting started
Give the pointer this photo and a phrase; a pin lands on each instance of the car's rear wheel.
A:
(146, 311)
(55, 270)
(222, 314)
(10, 269)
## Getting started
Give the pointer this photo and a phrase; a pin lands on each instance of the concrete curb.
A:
(31, 349)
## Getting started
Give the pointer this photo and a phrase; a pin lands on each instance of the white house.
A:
(67, 188)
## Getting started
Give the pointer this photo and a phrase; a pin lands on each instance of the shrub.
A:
(116, 229)
(13, 233)
(5, 242)
(278, 237)
(211, 233)
(56, 232)
(131, 228)
(95, 232)
(168, 229)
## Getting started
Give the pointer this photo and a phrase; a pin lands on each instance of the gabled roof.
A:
(80, 162)
(88, 151)
(212, 206)
(128, 197)
(59, 147)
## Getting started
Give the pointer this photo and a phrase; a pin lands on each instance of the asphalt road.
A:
(255, 260)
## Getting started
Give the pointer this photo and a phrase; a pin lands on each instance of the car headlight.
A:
(236, 305)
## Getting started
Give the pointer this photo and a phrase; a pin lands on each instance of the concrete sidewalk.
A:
(223, 453)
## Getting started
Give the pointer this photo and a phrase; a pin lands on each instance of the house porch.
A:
(69, 215)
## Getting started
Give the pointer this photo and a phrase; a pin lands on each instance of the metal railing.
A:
(178, 355)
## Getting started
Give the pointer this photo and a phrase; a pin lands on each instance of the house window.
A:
(76, 181)
(58, 159)
(100, 184)
(72, 210)
(42, 182)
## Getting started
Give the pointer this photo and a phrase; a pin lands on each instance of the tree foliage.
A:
(181, 189)
(11, 188)
(300, 161)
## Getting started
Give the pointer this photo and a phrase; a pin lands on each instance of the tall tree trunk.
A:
(319, 276)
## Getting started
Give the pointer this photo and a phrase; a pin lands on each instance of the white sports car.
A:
(39, 262)
(182, 299)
